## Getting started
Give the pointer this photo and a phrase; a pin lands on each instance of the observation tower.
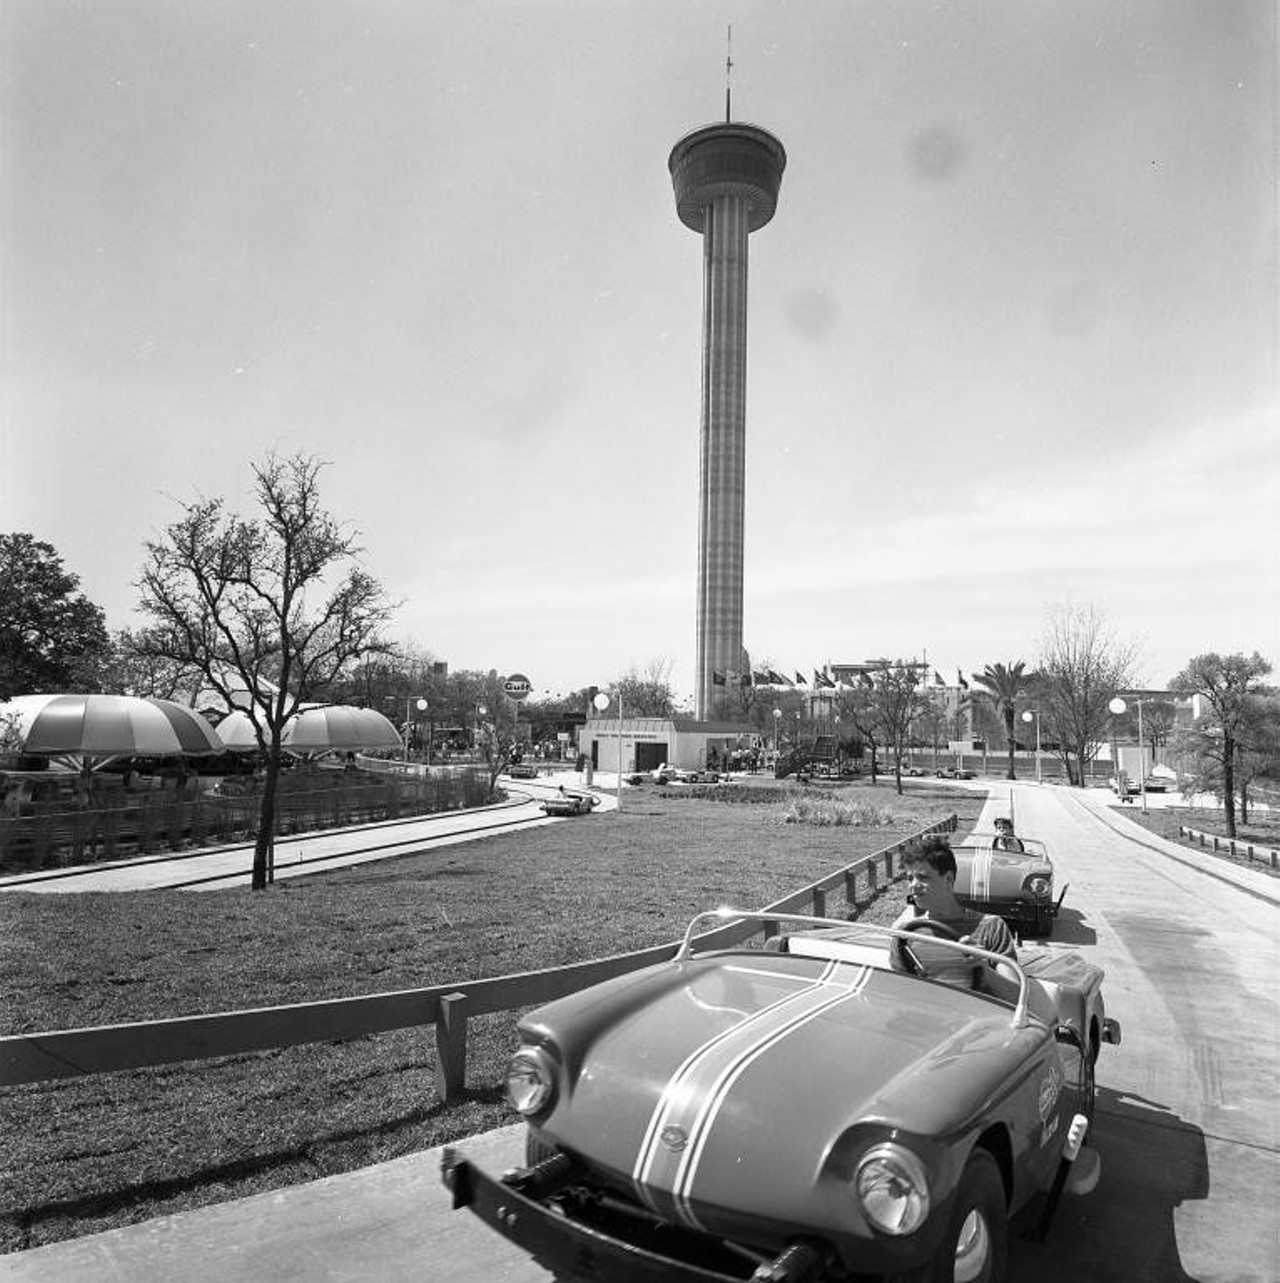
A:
(726, 179)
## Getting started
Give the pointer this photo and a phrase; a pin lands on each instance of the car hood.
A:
(753, 1082)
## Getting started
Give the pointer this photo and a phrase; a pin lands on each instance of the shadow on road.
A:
(1070, 927)
(1152, 1162)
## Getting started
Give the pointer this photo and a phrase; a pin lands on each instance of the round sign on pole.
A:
(517, 686)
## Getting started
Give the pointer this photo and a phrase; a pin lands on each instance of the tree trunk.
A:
(1229, 782)
(264, 845)
(1008, 729)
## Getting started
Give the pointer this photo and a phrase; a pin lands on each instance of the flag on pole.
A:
(937, 678)
(800, 681)
(777, 679)
(760, 679)
(963, 684)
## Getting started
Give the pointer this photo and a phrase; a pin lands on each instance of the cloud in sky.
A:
(1022, 278)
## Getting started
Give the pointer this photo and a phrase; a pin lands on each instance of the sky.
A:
(1012, 332)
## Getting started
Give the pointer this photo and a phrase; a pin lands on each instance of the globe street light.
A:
(601, 702)
(1116, 707)
(1029, 715)
(777, 722)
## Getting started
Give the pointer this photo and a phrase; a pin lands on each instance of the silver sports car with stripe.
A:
(1016, 885)
(798, 1112)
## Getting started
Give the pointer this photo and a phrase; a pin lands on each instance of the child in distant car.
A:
(1005, 839)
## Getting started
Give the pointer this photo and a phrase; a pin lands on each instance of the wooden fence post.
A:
(819, 903)
(851, 889)
(451, 1046)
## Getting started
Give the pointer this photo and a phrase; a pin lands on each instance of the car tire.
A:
(975, 1247)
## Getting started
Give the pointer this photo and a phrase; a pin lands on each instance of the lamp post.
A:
(1118, 706)
(422, 708)
(777, 724)
(837, 754)
(601, 702)
(1027, 716)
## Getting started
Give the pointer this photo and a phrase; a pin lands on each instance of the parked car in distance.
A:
(698, 775)
(1014, 885)
(522, 771)
(1157, 783)
(1123, 786)
(913, 771)
(956, 773)
(804, 1111)
(664, 774)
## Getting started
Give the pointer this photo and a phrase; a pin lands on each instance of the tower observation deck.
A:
(726, 179)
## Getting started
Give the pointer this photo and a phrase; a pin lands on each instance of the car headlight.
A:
(1039, 887)
(893, 1189)
(530, 1082)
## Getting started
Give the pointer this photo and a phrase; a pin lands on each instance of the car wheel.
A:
(975, 1247)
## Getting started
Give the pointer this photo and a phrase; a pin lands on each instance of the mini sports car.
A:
(804, 1113)
(1014, 885)
(570, 804)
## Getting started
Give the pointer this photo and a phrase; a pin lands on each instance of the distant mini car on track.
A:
(565, 803)
(1014, 885)
(801, 1112)
(522, 771)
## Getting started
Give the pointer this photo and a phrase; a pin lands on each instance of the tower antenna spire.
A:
(728, 69)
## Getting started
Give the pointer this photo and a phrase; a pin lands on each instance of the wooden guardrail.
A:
(1234, 845)
(36, 1057)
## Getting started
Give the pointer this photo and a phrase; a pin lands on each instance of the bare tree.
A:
(1225, 684)
(1081, 668)
(236, 600)
(898, 700)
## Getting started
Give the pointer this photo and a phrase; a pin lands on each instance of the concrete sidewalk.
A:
(391, 1223)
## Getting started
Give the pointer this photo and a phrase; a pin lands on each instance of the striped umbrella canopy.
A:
(101, 726)
(338, 726)
(324, 728)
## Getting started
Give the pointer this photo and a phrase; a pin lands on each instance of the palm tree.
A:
(1004, 683)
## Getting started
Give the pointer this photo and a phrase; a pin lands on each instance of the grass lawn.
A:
(88, 1154)
(1263, 829)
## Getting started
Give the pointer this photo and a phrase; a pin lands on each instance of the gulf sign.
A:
(517, 686)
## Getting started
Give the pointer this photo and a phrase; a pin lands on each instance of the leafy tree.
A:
(1082, 667)
(1224, 683)
(276, 597)
(1004, 684)
(1258, 748)
(135, 669)
(646, 694)
(53, 639)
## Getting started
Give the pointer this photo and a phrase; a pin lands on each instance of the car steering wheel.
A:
(911, 963)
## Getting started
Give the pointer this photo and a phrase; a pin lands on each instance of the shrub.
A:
(827, 811)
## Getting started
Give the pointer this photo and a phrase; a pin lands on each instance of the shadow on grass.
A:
(241, 1177)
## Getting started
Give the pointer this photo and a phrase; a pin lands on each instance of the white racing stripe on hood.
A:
(980, 875)
(697, 1091)
(676, 1091)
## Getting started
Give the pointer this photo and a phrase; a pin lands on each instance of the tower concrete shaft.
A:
(726, 179)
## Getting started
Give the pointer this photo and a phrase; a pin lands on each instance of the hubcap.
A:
(973, 1248)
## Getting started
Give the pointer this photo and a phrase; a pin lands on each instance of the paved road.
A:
(1187, 1118)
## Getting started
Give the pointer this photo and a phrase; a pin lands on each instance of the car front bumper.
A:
(572, 1249)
